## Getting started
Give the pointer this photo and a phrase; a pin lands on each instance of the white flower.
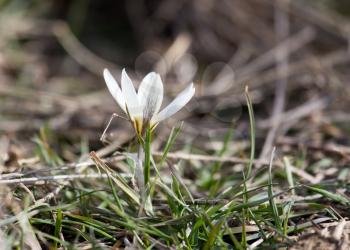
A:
(143, 107)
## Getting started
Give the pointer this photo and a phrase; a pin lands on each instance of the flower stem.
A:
(147, 163)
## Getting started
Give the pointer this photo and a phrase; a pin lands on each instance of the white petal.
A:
(129, 93)
(114, 89)
(179, 102)
(150, 94)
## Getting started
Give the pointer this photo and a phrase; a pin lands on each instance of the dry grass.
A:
(294, 57)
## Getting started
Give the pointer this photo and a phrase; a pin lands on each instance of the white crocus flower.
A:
(143, 107)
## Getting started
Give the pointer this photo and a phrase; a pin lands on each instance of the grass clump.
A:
(232, 210)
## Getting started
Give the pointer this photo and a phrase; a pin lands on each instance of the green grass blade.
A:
(58, 227)
(336, 197)
(287, 210)
(213, 236)
(273, 205)
(214, 185)
(171, 140)
(289, 174)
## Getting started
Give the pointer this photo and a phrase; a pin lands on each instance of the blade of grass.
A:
(287, 210)
(213, 235)
(51, 237)
(214, 185)
(179, 179)
(252, 132)
(233, 238)
(296, 228)
(119, 208)
(247, 174)
(273, 205)
(58, 227)
(289, 174)
(171, 140)
(238, 207)
(257, 223)
(172, 194)
(118, 180)
(244, 232)
(336, 197)
(161, 183)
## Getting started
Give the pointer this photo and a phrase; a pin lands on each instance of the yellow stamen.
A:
(137, 122)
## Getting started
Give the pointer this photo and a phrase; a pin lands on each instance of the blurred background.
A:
(293, 55)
